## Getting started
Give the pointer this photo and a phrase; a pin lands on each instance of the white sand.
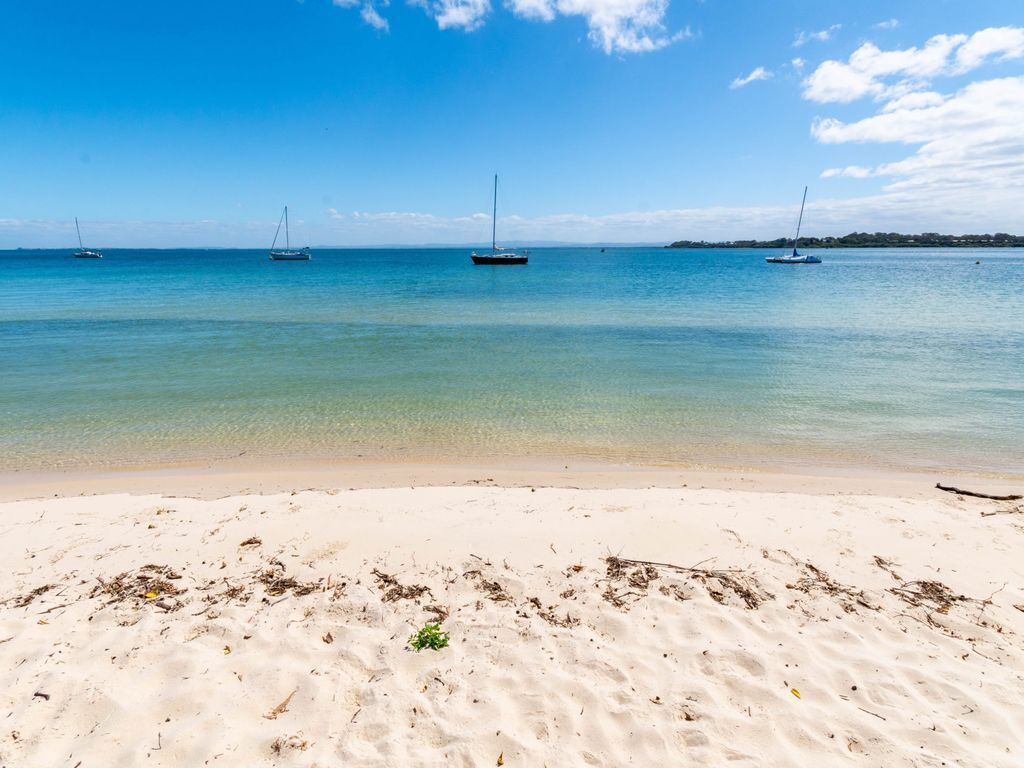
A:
(672, 676)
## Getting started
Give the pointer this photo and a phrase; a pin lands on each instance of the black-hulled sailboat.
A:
(795, 257)
(498, 255)
(83, 252)
(287, 254)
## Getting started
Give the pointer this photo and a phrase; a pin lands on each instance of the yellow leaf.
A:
(795, 692)
(227, 649)
(501, 759)
(152, 595)
(42, 621)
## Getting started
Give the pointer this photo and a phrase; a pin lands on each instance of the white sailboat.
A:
(498, 255)
(287, 254)
(83, 252)
(795, 258)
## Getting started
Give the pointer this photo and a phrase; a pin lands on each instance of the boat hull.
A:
(500, 260)
(289, 257)
(791, 260)
(88, 255)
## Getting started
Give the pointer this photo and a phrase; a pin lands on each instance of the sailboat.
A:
(498, 255)
(83, 252)
(287, 254)
(795, 258)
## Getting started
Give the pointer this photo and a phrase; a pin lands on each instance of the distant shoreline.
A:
(870, 240)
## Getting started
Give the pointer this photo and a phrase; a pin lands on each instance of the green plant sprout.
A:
(429, 636)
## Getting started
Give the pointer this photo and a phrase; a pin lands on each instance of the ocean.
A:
(897, 359)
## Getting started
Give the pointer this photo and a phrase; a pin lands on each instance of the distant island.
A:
(871, 240)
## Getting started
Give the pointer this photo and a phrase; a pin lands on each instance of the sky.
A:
(382, 122)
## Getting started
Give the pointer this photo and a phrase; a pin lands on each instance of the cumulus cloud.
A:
(972, 138)
(760, 73)
(1000, 42)
(820, 36)
(885, 75)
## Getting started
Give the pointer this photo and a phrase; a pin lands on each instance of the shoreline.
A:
(210, 480)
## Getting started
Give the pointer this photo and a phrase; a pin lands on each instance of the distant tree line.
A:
(871, 240)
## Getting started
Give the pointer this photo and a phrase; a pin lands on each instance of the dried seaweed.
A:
(493, 590)
(145, 584)
(816, 581)
(440, 612)
(276, 583)
(718, 582)
(393, 590)
(25, 600)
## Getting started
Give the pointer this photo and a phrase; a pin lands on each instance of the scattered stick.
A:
(962, 492)
(875, 714)
(691, 569)
(41, 695)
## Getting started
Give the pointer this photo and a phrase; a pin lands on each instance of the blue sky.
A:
(192, 123)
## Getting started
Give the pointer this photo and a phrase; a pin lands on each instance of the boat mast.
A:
(80, 246)
(278, 232)
(799, 221)
(288, 241)
(494, 217)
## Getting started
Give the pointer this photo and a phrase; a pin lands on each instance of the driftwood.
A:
(961, 492)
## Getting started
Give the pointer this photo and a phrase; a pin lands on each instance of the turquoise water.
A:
(899, 359)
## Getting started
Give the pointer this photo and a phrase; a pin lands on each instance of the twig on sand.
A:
(686, 569)
(975, 494)
(871, 713)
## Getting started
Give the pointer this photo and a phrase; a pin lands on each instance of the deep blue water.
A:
(884, 358)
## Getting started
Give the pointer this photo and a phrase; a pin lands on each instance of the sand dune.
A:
(775, 629)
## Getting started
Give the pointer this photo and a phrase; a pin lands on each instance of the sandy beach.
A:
(673, 625)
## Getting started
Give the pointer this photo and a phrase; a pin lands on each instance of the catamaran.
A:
(287, 254)
(498, 255)
(83, 252)
(795, 258)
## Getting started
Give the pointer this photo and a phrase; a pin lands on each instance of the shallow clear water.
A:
(884, 358)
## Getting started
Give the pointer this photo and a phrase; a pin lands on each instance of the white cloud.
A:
(615, 26)
(797, 63)
(821, 36)
(935, 209)
(760, 73)
(968, 141)
(888, 24)
(880, 74)
(456, 14)
(372, 17)
(850, 171)
(368, 12)
(1004, 42)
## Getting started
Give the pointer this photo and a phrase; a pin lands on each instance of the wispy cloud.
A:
(760, 73)
(614, 26)
(820, 36)
(888, 24)
(850, 171)
(797, 63)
